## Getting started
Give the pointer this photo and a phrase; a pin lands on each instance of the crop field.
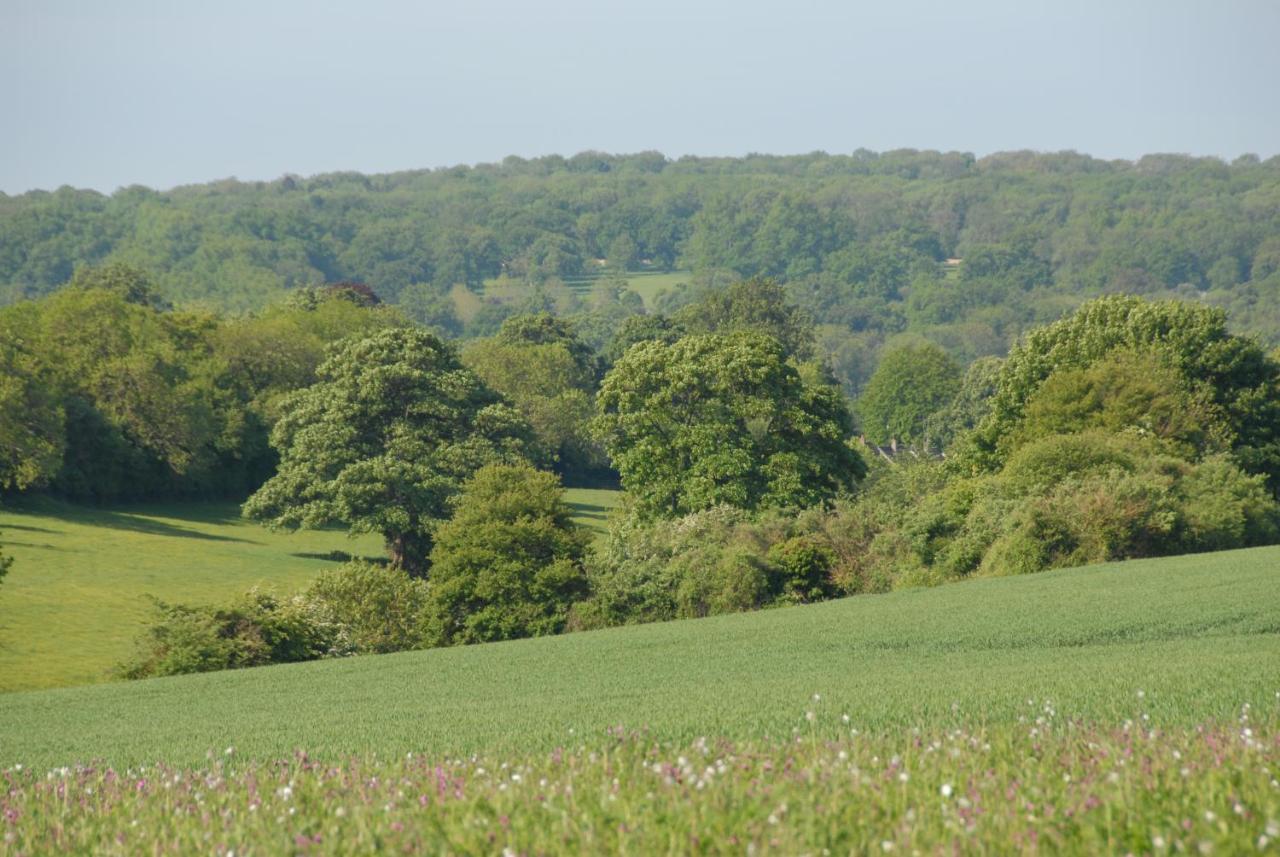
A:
(1048, 785)
(76, 598)
(1182, 640)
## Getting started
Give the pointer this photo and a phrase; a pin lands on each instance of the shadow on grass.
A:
(27, 529)
(33, 545)
(341, 556)
(137, 520)
(594, 511)
(151, 527)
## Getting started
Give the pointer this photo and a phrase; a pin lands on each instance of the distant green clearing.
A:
(646, 284)
(1198, 636)
(75, 600)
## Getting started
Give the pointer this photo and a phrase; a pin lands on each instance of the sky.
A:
(108, 94)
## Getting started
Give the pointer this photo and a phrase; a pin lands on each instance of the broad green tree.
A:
(549, 387)
(723, 419)
(509, 562)
(760, 305)
(32, 435)
(1233, 374)
(386, 436)
(911, 384)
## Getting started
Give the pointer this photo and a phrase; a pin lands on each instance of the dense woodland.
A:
(861, 241)
(884, 371)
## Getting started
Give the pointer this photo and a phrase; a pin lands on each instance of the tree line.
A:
(944, 247)
(1128, 428)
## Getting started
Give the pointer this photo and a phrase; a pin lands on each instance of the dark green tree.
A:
(756, 304)
(725, 419)
(509, 562)
(551, 381)
(386, 436)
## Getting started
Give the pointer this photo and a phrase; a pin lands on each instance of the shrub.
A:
(258, 629)
(802, 569)
(707, 562)
(509, 562)
(379, 608)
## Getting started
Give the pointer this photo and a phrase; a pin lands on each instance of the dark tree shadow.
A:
(594, 511)
(341, 556)
(137, 520)
(26, 529)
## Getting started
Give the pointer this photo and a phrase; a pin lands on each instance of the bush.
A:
(258, 629)
(509, 562)
(379, 608)
(720, 560)
(802, 569)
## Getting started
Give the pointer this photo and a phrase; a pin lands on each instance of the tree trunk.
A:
(408, 553)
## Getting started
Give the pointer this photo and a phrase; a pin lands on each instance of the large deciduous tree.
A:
(1231, 376)
(386, 436)
(550, 377)
(723, 419)
(911, 384)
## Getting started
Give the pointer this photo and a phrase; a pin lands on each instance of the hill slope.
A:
(75, 600)
(1199, 635)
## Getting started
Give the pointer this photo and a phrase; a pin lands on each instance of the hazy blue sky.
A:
(106, 93)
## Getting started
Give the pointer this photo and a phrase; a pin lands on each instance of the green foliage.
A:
(378, 608)
(550, 376)
(966, 409)
(1062, 500)
(758, 305)
(1230, 375)
(804, 567)
(642, 328)
(383, 440)
(32, 435)
(130, 284)
(508, 563)
(256, 630)
(723, 419)
(910, 385)
(1125, 392)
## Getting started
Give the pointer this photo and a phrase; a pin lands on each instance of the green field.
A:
(646, 284)
(1182, 639)
(75, 600)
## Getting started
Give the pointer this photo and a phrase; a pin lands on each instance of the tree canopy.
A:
(385, 437)
(1229, 374)
(911, 384)
(723, 419)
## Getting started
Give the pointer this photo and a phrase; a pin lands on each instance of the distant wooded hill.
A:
(966, 251)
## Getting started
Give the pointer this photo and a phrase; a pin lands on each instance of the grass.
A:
(1198, 635)
(75, 600)
(591, 507)
(647, 284)
(1048, 786)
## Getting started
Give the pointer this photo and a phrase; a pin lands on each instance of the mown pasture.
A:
(76, 598)
(1181, 640)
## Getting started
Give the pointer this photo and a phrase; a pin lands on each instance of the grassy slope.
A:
(74, 602)
(1198, 634)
